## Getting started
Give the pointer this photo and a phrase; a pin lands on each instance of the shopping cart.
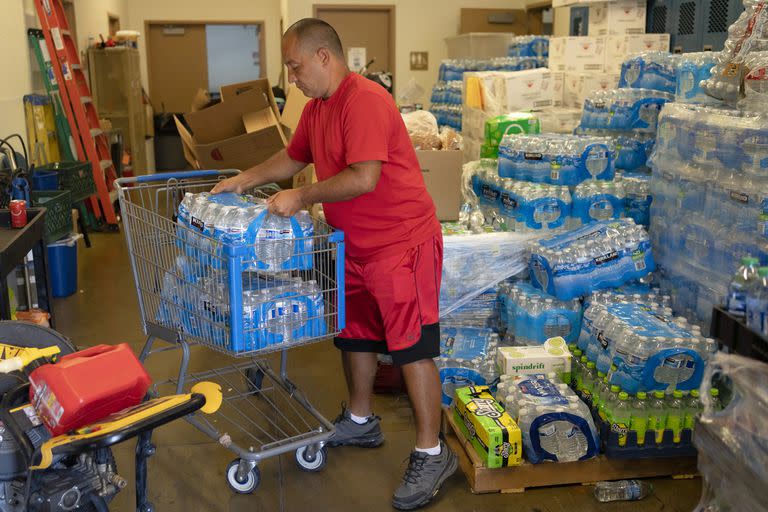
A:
(243, 300)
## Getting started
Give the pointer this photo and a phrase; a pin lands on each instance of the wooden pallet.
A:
(518, 478)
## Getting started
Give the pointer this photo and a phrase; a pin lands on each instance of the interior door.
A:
(177, 65)
(361, 27)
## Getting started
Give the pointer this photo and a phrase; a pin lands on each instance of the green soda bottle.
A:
(576, 370)
(657, 415)
(599, 393)
(582, 371)
(606, 412)
(675, 415)
(639, 420)
(717, 405)
(692, 409)
(621, 418)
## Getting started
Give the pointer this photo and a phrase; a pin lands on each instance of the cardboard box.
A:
(305, 177)
(559, 120)
(566, 3)
(619, 48)
(617, 18)
(584, 55)
(535, 359)
(515, 123)
(217, 137)
(491, 431)
(529, 89)
(295, 101)
(580, 85)
(558, 88)
(556, 62)
(442, 176)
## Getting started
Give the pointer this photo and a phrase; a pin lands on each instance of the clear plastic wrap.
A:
(474, 263)
(756, 83)
(733, 442)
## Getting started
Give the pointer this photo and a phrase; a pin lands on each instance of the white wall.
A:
(268, 11)
(17, 67)
(92, 19)
(420, 26)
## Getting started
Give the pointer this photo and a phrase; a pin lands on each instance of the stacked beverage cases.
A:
(279, 306)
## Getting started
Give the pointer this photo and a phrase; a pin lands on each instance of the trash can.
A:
(169, 151)
(62, 265)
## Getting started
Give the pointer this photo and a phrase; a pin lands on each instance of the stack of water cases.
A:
(278, 305)
(530, 46)
(640, 369)
(556, 425)
(446, 98)
(710, 209)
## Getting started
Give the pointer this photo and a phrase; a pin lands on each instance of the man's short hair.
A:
(314, 34)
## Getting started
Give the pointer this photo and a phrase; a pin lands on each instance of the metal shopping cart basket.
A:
(243, 299)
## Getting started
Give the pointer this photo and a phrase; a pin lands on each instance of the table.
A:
(14, 245)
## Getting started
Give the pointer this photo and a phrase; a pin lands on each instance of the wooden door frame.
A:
(149, 23)
(369, 7)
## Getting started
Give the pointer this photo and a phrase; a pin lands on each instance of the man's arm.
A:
(278, 167)
(356, 180)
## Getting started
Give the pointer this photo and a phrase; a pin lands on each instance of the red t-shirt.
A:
(359, 123)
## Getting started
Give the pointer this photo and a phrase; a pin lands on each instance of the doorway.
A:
(367, 32)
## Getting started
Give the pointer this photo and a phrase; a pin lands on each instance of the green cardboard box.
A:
(515, 123)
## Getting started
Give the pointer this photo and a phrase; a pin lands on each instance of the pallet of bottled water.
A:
(624, 109)
(556, 159)
(454, 69)
(642, 347)
(632, 148)
(556, 425)
(531, 317)
(655, 71)
(596, 256)
(595, 200)
(481, 311)
(467, 358)
(529, 46)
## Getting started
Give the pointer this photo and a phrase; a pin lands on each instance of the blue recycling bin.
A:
(62, 265)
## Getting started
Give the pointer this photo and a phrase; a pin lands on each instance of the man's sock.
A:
(360, 420)
(431, 451)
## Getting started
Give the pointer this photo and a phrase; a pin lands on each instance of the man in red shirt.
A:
(371, 187)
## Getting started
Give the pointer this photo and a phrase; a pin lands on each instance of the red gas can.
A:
(87, 386)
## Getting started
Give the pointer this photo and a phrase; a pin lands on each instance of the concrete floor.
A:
(187, 473)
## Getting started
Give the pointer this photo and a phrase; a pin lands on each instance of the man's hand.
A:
(234, 184)
(286, 203)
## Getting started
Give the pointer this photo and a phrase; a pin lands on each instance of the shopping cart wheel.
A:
(254, 377)
(250, 482)
(309, 462)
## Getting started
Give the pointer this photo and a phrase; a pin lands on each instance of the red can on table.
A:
(18, 209)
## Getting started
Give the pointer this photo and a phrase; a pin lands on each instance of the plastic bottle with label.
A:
(621, 416)
(657, 415)
(741, 282)
(675, 415)
(639, 419)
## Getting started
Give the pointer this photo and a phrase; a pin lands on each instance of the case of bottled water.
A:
(624, 109)
(598, 200)
(467, 358)
(489, 258)
(638, 199)
(694, 68)
(454, 69)
(446, 103)
(595, 256)
(556, 159)
(529, 46)
(651, 70)
(632, 148)
(531, 317)
(555, 423)
(210, 222)
(755, 89)
(641, 347)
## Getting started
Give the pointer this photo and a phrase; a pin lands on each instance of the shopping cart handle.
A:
(181, 175)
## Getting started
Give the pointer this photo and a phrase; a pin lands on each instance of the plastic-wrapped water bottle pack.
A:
(531, 317)
(596, 256)
(651, 70)
(275, 309)
(454, 69)
(556, 159)
(631, 292)
(755, 88)
(209, 222)
(482, 311)
(749, 33)
(694, 68)
(624, 109)
(638, 199)
(529, 46)
(598, 200)
(467, 358)
(555, 423)
(632, 148)
(446, 103)
(641, 347)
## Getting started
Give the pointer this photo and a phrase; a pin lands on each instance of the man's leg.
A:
(423, 383)
(360, 372)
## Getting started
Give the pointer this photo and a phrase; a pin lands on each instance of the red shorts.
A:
(393, 304)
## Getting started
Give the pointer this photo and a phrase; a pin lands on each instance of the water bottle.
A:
(675, 415)
(621, 418)
(757, 303)
(589, 382)
(657, 415)
(717, 405)
(735, 302)
(623, 490)
(610, 404)
(638, 421)
(692, 409)
(600, 391)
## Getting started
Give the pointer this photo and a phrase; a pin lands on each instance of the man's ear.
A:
(325, 55)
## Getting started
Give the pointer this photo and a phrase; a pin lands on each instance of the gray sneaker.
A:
(349, 433)
(423, 478)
